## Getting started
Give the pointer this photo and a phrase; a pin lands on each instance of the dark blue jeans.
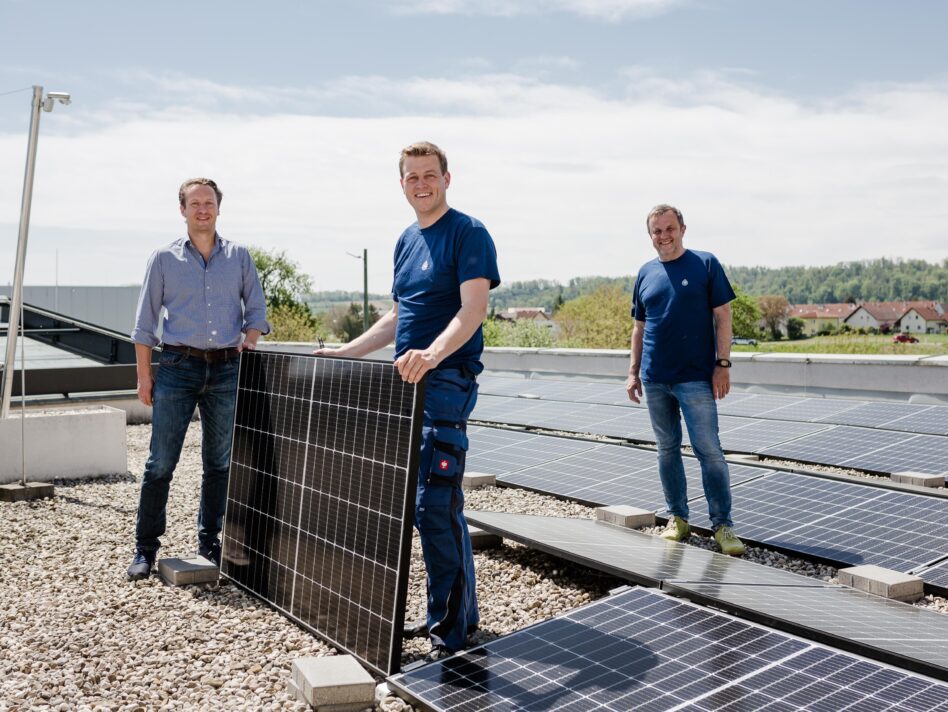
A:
(182, 384)
(450, 395)
(667, 402)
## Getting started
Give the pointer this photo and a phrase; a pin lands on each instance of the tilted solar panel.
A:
(644, 650)
(321, 496)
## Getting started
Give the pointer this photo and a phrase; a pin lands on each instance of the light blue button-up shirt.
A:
(208, 304)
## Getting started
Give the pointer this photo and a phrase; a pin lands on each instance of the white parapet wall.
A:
(63, 443)
(914, 379)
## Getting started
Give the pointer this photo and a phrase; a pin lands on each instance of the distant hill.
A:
(868, 280)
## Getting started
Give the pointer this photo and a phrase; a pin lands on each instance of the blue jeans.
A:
(181, 384)
(450, 395)
(667, 402)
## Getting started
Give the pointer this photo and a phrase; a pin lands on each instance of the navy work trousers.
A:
(450, 395)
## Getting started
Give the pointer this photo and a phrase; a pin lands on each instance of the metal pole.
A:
(17, 297)
(365, 290)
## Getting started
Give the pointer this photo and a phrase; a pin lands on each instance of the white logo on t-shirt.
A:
(424, 266)
(684, 283)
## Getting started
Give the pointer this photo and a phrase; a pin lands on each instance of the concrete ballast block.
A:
(626, 516)
(484, 540)
(334, 680)
(473, 480)
(883, 582)
(922, 479)
(183, 572)
(17, 492)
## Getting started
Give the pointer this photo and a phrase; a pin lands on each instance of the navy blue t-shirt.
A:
(430, 265)
(675, 300)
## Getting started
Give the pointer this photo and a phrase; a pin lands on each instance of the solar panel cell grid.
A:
(646, 651)
(321, 488)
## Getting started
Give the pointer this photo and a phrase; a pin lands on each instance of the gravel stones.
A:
(74, 634)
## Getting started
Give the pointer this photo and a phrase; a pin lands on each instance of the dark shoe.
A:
(211, 552)
(438, 652)
(416, 629)
(141, 565)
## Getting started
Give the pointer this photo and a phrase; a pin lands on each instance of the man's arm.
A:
(143, 370)
(379, 335)
(633, 385)
(414, 364)
(721, 379)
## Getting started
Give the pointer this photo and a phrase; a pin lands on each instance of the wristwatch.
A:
(723, 362)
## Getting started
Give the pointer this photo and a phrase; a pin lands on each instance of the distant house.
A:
(924, 318)
(820, 317)
(876, 315)
(527, 314)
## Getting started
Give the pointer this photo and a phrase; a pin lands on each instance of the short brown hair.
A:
(661, 210)
(199, 181)
(422, 148)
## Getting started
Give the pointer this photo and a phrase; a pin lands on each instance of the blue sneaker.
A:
(141, 565)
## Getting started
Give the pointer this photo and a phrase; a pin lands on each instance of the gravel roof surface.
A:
(74, 634)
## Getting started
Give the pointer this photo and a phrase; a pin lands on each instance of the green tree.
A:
(283, 283)
(794, 328)
(521, 334)
(745, 315)
(599, 320)
(350, 326)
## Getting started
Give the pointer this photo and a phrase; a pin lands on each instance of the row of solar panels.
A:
(905, 417)
(645, 650)
(870, 449)
(846, 523)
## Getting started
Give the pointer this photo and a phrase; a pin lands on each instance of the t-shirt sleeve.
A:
(721, 290)
(398, 250)
(638, 309)
(477, 256)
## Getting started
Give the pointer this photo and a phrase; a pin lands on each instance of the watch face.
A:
(723, 363)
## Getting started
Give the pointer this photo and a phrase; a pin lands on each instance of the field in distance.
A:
(928, 345)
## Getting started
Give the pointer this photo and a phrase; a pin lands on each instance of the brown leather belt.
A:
(210, 356)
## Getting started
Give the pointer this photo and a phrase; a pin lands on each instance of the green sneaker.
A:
(676, 529)
(728, 541)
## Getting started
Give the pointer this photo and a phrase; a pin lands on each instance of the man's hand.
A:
(633, 386)
(250, 340)
(721, 382)
(144, 389)
(414, 364)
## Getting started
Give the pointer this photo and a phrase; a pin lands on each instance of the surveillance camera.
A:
(61, 96)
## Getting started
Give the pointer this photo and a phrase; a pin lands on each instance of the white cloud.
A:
(561, 175)
(610, 10)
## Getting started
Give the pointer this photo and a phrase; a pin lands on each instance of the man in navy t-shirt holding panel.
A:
(681, 344)
(445, 265)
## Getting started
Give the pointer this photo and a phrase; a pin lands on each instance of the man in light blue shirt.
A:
(214, 308)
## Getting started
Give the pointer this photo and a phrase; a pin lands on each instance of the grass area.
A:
(928, 345)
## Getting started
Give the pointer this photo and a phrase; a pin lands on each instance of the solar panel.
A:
(751, 434)
(834, 445)
(918, 453)
(613, 474)
(933, 420)
(812, 409)
(843, 522)
(644, 650)
(321, 494)
(936, 575)
(498, 452)
(876, 414)
(883, 629)
(871, 625)
(756, 405)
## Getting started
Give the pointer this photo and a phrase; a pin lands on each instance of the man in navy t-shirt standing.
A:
(445, 265)
(681, 344)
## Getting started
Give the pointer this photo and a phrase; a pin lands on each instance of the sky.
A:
(789, 133)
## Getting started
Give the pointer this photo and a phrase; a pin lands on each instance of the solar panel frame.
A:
(870, 625)
(329, 553)
(643, 650)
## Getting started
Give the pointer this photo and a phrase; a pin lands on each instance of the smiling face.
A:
(200, 210)
(426, 188)
(667, 234)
